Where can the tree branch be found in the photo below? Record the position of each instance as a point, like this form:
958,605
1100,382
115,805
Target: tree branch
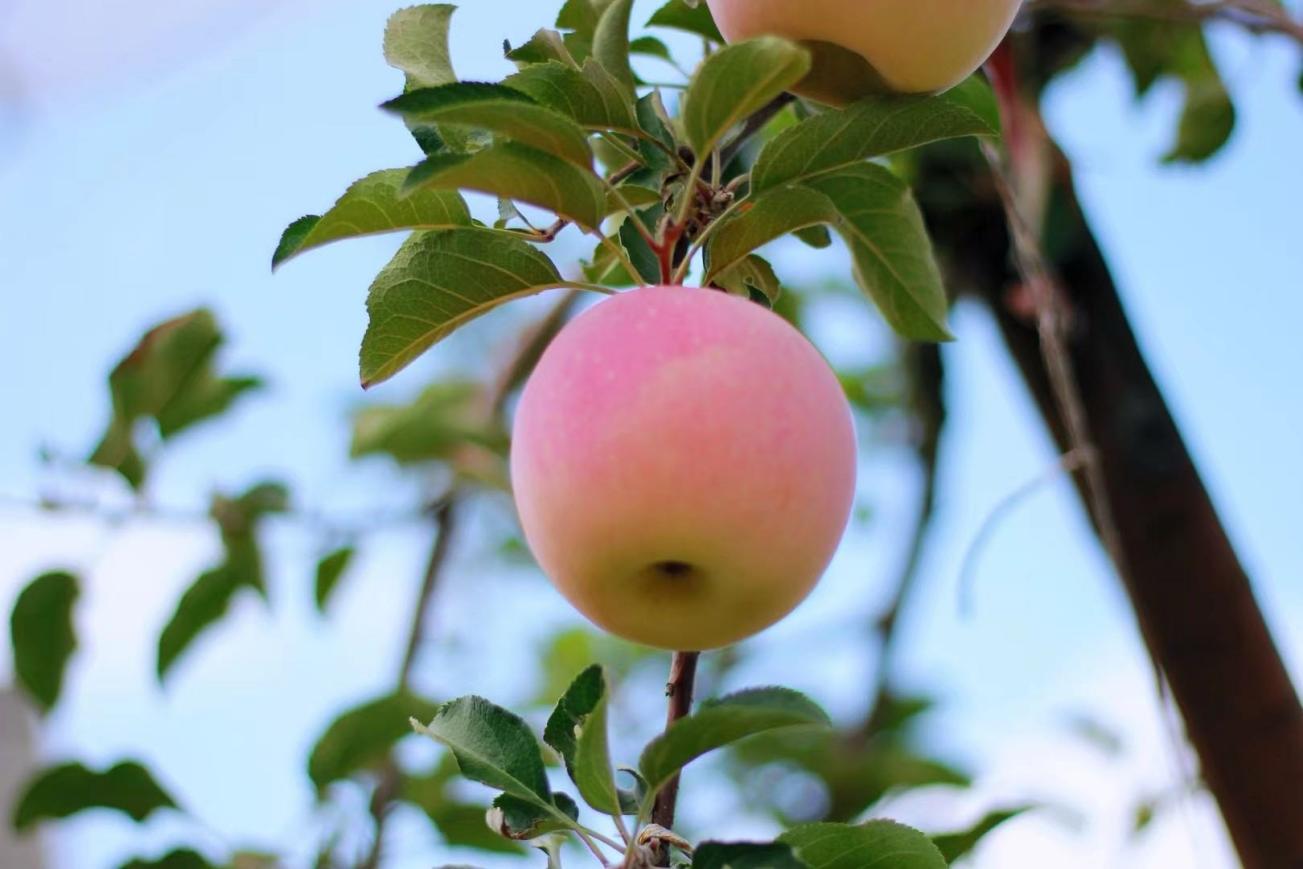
678,691
1253,15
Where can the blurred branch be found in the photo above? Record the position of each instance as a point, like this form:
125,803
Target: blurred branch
1256,16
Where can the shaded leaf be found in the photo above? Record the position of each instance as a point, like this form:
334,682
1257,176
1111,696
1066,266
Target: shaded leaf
752,276
611,42
518,819
330,569
717,723
591,96
372,205
544,46
736,81
506,112
745,855
436,282
180,858
61,791
518,172
872,127
577,730
651,47
444,418
955,845
691,18
363,736
874,844
202,605
43,636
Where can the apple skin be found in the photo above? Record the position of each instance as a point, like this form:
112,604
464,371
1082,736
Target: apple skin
683,462
863,46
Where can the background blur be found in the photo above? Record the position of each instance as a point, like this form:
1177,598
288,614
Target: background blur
151,154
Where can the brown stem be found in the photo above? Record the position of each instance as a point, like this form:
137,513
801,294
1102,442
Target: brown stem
678,691
445,513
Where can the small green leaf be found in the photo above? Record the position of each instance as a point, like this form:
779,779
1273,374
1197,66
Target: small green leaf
611,42
876,843
201,606
1207,121
375,204
462,825
492,746
580,16
688,17
650,46
61,791
363,736
501,110
416,42
519,172
544,46
43,635
745,855
736,81
591,96
752,275
518,819
577,730
953,846
765,219
436,282
180,858
872,127
444,418
717,723
330,569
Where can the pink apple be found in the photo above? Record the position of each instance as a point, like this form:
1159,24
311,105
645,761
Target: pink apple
912,46
683,463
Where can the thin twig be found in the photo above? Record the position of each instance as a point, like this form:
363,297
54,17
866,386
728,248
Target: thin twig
1252,15
678,691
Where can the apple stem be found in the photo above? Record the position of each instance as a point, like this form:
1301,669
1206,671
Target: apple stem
678,691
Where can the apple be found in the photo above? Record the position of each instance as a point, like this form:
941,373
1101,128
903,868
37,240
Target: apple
683,463
866,46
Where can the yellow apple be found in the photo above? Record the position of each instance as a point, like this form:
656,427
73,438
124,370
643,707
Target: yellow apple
683,463
866,46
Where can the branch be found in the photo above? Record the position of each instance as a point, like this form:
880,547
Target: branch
1253,15
678,690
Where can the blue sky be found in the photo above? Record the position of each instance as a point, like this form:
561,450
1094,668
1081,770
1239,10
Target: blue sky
132,190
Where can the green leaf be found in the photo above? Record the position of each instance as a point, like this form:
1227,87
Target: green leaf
518,819
651,47
498,109
953,846
492,746
462,826
611,42
202,605
764,219
736,81
717,723
745,855
691,18
416,42
170,377
363,736
180,858
889,244
750,276
444,418
375,204
872,127
518,172
61,791
544,46
330,569
580,16
874,845
1207,121
43,636
436,282
577,730
591,96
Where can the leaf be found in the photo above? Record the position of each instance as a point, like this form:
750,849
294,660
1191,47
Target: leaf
736,81
590,96
202,605
64,790
874,845
872,127
170,377
518,172
750,276
717,723
436,282
492,746
544,46
330,569
443,419
765,219
580,16
43,636
889,244
180,858
650,46
506,112
372,205
691,18
577,730
460,824
416,42
611,42
956,845
363,736
519,820
1206,124
745,855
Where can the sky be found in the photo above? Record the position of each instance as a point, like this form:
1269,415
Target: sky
149,159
